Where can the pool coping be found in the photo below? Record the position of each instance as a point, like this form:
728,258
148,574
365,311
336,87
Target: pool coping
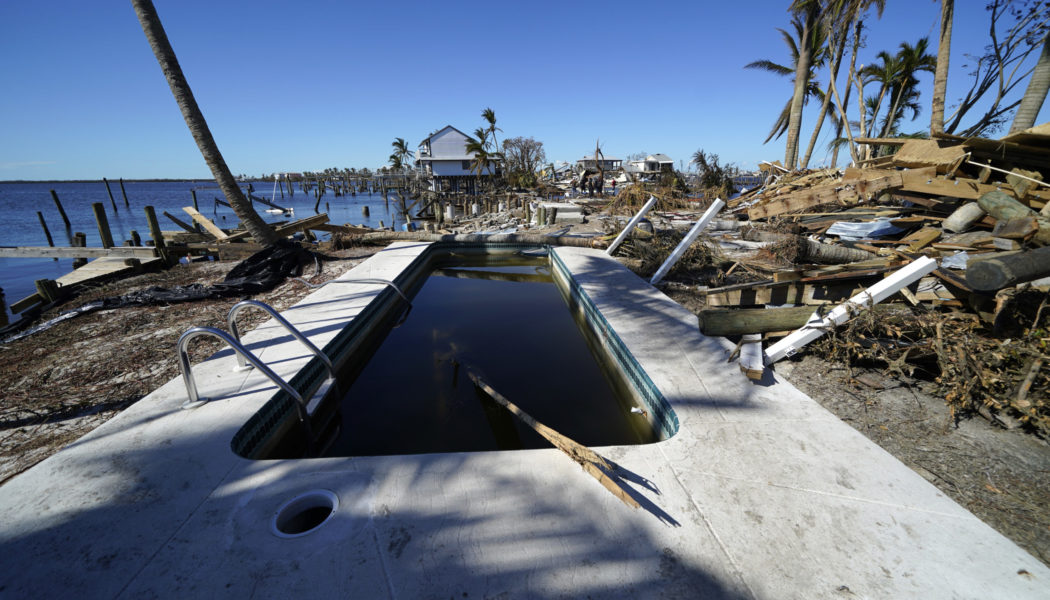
761,493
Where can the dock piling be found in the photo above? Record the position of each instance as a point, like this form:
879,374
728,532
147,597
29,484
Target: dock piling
61,211
123,193
79,240
103,224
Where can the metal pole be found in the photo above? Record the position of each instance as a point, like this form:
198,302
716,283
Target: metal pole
630,225
687,240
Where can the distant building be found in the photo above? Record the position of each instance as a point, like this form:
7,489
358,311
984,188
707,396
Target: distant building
653,164
606,163
746,181
443,157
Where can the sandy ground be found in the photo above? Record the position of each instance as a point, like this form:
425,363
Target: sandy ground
62,383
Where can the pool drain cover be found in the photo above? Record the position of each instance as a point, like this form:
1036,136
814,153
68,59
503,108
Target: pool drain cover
304,514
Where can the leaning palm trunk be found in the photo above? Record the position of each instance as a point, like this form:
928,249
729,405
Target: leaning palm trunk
1035,95
940,77
169,64
805,60
836,60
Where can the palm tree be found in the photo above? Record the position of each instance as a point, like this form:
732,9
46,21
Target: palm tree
840,18
1035,94
816,48
910,61
808,13
940,77
490,117
403,153
169,64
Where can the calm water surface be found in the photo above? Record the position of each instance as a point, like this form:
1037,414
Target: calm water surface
19,203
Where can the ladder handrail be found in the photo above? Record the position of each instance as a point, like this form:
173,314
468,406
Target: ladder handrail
231,322
191,385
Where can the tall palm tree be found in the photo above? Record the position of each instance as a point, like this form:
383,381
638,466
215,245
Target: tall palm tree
816,49
169,64
808,12
840,18
490,117
940,76
1035,94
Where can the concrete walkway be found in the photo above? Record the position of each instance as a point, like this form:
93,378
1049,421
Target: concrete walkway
760,494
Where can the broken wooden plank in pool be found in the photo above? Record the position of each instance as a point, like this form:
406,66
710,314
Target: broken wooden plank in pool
630,225
687,241
590,460
817,326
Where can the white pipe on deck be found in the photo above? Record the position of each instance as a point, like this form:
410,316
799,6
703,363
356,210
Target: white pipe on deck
817,326
688,240
630,225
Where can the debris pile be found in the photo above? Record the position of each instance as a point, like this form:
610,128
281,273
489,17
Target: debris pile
977,323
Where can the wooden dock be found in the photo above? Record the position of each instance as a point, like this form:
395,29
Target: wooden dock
94,271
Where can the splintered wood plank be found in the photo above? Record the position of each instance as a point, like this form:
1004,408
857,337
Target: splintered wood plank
121,252
206,223
922,238
288,229
970,189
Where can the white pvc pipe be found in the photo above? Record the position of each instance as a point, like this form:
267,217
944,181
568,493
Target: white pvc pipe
630,225
688,240
817,326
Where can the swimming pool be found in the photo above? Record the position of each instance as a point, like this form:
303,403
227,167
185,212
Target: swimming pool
509,314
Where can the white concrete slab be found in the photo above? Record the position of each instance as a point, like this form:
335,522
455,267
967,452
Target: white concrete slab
760,494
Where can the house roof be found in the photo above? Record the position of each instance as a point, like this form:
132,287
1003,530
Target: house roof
660,158
442,130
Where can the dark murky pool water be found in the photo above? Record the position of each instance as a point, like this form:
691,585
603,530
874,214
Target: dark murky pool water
510,324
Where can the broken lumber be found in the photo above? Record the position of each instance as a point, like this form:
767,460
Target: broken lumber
206,223
591,461
743,321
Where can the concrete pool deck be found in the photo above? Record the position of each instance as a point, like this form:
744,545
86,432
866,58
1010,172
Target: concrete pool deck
761,494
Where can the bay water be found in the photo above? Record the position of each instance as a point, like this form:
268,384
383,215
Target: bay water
20,226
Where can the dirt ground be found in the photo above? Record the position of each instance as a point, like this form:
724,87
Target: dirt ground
60,384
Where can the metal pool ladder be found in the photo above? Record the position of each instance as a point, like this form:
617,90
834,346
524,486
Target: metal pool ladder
248,360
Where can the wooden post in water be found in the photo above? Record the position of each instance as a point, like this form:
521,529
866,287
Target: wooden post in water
123,193
154,229
3,309
364,210
47,233
196,225
61,211
135,239
79,240
110,192
103,224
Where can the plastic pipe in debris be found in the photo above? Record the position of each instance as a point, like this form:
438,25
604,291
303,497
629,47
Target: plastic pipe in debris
687,240
817,326
630,225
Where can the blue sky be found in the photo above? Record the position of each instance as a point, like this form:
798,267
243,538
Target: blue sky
309,85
